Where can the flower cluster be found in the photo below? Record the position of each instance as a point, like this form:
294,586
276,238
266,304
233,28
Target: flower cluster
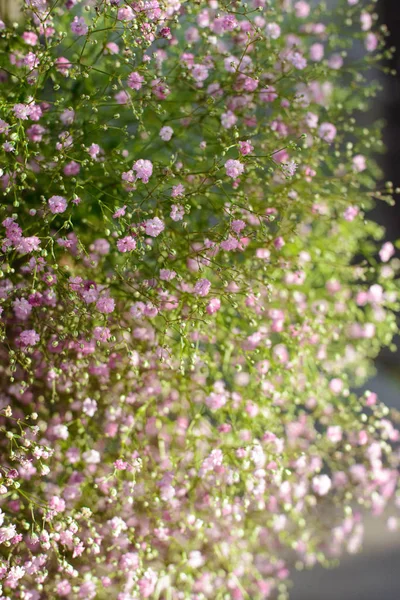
190,291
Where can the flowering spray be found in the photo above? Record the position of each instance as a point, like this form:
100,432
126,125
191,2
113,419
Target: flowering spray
190,289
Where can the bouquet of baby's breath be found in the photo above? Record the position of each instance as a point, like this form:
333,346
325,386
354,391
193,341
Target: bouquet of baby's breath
190,288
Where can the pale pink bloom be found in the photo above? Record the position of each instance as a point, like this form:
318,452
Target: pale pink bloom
177,212
57,204
166,133
167,275
321,484
125,14
273,31
202,287
351,213
122,97
78,26
327,132
89,407
234,168
302,9
317,52
126,244
135,81
112,48
371,42
144,169
336,385
386,252
153,227
29,337
105,305
334,434
30,38
213,306
245,148
177,191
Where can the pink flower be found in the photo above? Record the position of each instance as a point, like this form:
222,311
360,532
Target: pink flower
126,244
89,407
167,275
317,52
30,38
321,484
29,337
120,212
273,31
22,111
112,48
105,305
177,191
94,150
72,168
234,168
327,132
4,127
238,225
334,434
78,26
386,252
350,213
371,42
22,308
202,287
213,306
359,163
125,14
67,116
102,334
302,9
177,212
122,97
144,169
147,584
166,133
135,80
297,60
153,227
228,119
245,148
57,204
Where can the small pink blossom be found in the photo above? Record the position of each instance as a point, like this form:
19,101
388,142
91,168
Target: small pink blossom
327,132
135,81
177,212
29,337
245,148
234,168
166,133
178,191
153,227
213,306
386,252
202,287
78,26
89,407
126,244
144,169
167,274
321,484
105,305
57,204
125,14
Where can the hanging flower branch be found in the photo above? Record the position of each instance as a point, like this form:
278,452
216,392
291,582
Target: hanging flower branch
190,290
